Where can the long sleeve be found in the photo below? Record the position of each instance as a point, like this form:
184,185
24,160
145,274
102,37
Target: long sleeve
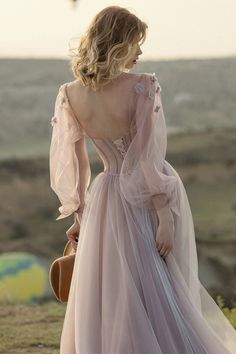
168,195
68,159
84,174
145,176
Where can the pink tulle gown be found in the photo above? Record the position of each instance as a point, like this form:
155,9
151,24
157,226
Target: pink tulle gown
124,297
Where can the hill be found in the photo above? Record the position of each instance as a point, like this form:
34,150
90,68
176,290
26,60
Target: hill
206,163
197,94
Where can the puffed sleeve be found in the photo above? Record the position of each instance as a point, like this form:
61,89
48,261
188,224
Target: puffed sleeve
146,177
64,164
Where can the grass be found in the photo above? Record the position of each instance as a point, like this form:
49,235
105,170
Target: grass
36,328
230,313
31,328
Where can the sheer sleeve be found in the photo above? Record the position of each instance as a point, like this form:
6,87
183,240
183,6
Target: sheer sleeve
64,164
145,175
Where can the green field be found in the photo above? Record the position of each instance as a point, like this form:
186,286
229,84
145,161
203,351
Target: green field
36,328
31,329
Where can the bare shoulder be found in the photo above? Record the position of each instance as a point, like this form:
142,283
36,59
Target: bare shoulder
74,85
75,90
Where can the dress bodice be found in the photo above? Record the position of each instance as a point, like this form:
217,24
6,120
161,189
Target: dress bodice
112,152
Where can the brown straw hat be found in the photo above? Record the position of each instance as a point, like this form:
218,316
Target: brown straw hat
60,273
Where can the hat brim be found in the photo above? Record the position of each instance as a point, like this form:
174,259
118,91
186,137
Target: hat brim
60,275
68,250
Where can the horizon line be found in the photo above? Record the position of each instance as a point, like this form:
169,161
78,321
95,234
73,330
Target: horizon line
207,57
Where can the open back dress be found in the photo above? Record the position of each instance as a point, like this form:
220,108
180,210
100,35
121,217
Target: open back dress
124,297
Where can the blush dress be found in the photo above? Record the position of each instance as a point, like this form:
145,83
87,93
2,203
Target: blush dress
124,297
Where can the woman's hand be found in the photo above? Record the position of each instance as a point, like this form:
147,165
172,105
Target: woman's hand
165,232
73,234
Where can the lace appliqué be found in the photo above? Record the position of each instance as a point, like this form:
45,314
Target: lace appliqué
60,101
157,108
53,120
153,77
139,87
121,145
154,90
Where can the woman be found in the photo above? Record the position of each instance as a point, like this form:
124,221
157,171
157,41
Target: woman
135,286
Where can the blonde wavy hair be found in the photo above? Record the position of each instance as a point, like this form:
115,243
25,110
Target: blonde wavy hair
108,44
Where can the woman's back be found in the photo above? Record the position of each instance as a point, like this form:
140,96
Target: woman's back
104,113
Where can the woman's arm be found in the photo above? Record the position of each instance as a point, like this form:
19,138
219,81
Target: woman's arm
159,201
161,205
166,229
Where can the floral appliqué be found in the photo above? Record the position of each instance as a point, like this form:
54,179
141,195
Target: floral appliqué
139,87
53,120
60,100
120,145
153,77
155,89
152,91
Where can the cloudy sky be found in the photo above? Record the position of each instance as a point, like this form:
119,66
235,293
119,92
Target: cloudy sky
177,28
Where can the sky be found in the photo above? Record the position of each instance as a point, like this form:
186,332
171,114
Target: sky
177,28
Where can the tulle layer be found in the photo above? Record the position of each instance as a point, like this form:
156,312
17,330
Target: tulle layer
124,297
143,172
